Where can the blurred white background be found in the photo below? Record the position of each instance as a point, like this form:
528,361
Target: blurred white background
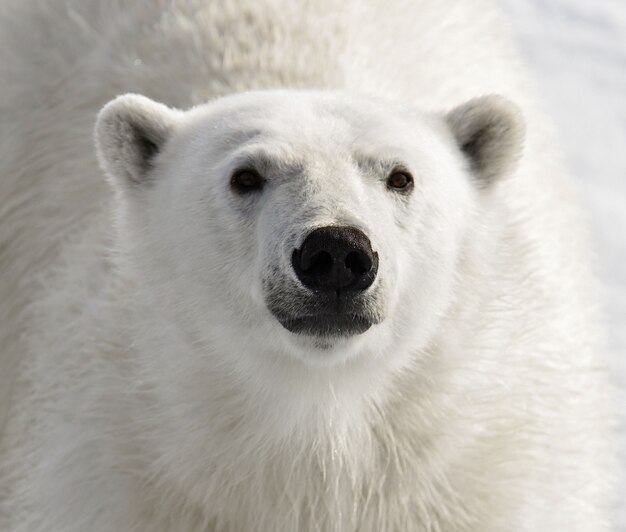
577,50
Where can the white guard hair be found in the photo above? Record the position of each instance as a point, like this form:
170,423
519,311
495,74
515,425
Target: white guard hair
145,382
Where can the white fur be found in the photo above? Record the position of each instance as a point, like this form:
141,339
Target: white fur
144,384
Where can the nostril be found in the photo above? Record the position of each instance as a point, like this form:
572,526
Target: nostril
321,263
358,263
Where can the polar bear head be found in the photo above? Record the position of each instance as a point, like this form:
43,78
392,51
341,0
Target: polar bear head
319,226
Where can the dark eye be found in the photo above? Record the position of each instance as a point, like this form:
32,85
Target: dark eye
400,180
246,180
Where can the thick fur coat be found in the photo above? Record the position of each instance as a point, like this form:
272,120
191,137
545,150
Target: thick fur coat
144,385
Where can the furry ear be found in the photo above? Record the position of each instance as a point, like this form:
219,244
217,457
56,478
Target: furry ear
131,130
490,132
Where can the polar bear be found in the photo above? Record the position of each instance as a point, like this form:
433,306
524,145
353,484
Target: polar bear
325,273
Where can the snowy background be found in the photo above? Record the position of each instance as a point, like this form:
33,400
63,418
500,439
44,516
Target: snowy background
577,50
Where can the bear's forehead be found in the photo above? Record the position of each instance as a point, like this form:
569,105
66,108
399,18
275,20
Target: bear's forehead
297,117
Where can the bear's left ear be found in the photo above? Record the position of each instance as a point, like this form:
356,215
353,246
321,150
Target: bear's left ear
490,132
130,132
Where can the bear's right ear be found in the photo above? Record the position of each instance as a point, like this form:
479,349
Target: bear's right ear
490,132
130,132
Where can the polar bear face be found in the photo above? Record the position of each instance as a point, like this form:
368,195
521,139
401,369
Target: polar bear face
316,225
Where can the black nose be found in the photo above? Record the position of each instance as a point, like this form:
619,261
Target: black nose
338,259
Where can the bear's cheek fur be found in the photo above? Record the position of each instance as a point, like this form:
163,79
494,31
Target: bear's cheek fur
428,264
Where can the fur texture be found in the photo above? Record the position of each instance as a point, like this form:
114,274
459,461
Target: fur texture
144,384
